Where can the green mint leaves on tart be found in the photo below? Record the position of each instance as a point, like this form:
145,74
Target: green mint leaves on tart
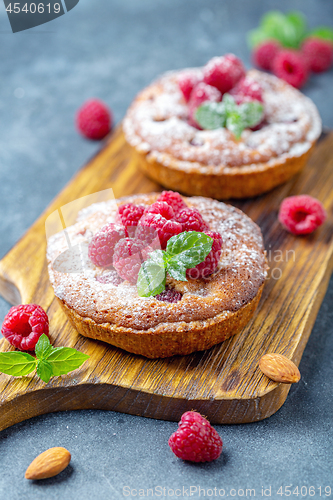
234,117
50,361
183,251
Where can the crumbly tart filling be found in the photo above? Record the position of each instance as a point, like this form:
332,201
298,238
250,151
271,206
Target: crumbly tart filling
96,293
156,124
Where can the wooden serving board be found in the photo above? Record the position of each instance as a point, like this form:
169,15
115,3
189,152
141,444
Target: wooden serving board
224,383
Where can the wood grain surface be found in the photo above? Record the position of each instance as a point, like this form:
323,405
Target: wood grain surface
223,383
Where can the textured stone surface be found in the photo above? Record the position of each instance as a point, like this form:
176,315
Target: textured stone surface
111,49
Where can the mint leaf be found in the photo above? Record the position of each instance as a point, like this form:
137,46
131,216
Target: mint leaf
17,364
65,359
211,115
43,347
251,113
289,30
44,370
158,257
177,270
235,124
323,32
190,248
151,279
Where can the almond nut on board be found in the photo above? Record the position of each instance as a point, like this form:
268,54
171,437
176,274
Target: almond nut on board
48,464
279,368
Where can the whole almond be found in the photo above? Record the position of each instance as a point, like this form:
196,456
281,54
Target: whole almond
279,368
48,464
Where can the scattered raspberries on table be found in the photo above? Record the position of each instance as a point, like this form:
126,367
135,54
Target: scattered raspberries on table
195,439
122,247
283,45
301,214
24,324
94,119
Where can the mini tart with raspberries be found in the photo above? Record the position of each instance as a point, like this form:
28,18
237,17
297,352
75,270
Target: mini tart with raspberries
171,150
204,312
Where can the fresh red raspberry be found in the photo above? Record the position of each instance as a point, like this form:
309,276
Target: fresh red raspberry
187,80
301,214
127,258
94,119
173,199
169,295
191,220
129,215
24,324
264,54
209,265
200,94
161,208
101,247
195,439
319,54
247,90
291,66
224,72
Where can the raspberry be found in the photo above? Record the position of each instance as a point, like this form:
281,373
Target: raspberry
101,247
224,72
173,199
187,81
291,66
169,295
24,324
191,220
195,439
129,215
319,54
247,90
201,93
152,224
210,263
301,214
264,54
94,119
161,208
127,258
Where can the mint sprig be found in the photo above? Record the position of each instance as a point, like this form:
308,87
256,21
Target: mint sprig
288,29
183,251
49,362
227,113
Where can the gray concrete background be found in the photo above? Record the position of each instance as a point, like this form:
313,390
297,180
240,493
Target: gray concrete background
111,49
